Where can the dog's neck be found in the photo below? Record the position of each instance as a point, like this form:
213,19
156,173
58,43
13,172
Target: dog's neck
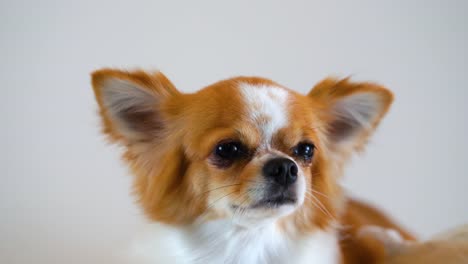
222,241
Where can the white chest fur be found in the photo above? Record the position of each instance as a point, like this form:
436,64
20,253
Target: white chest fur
222,242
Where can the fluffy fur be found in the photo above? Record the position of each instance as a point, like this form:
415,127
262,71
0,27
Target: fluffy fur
205,207
447,248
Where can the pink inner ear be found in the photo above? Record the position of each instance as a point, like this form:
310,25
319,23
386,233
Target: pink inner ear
353,114
131,108
141,121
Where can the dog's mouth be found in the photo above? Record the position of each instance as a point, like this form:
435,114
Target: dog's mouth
275,201
271,201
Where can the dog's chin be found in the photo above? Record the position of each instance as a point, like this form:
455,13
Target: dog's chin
275,201
266,209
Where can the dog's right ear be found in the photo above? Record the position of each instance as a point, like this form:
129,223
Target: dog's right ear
130,103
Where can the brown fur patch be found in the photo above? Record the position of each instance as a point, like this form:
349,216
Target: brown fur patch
365,250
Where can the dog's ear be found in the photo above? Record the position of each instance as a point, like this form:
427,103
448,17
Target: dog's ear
351,111
130,103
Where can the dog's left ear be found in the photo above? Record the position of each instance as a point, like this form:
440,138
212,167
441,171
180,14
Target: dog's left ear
350,110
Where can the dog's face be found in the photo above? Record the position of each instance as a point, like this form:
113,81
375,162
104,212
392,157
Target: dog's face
252,163
246,148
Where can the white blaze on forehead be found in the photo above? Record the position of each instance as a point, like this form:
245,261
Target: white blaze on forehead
266,107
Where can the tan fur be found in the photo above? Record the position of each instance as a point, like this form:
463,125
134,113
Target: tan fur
362,249
448,248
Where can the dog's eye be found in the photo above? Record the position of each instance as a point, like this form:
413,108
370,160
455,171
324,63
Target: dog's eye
304,150
229,150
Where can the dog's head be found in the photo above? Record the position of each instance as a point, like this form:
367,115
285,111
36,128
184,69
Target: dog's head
246,148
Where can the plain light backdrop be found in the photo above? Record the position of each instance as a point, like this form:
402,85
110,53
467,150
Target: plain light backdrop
65,194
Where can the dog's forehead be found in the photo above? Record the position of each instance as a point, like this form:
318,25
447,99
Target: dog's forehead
266,107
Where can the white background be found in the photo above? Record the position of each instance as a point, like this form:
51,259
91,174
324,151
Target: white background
64,193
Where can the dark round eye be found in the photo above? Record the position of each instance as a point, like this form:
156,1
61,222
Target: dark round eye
304,150
229,150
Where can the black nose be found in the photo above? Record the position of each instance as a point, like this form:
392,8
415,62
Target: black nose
281,170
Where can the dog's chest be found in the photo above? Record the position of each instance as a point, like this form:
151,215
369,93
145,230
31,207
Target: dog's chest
221,242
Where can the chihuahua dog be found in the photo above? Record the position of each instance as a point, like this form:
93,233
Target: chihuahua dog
245,170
